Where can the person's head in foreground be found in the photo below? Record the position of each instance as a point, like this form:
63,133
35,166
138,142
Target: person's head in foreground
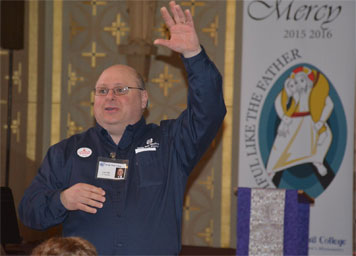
65,246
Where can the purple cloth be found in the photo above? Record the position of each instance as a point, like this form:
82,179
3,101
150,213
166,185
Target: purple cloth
243,220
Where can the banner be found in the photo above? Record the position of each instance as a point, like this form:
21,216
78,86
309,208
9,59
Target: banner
297,109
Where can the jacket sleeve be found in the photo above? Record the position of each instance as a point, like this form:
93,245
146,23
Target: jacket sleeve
198,125
40,207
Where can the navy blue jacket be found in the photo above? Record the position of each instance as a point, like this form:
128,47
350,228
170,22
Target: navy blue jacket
142,214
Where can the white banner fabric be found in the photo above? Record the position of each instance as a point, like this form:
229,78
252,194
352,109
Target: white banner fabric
297,109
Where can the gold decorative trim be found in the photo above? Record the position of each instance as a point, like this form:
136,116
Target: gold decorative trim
208,233
163,31
56,71
187,208
75,28
93,54
165,80
32,80
226,186
72,127
94,4
212,30
192,4
118,29
89,103
72,78
209,181
15,126
16,77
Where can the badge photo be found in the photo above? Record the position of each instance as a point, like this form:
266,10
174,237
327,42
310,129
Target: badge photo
120,173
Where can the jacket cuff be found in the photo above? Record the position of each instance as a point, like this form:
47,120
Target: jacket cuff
188,62
58,209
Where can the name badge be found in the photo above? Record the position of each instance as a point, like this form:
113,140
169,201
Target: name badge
112,169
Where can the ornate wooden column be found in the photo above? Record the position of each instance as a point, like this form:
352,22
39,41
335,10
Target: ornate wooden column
140,47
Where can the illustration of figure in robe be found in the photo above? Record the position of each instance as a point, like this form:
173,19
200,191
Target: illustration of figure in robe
303,136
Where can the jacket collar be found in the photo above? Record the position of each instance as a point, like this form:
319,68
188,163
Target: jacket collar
130,134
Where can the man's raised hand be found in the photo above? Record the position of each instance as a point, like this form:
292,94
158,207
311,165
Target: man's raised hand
184,38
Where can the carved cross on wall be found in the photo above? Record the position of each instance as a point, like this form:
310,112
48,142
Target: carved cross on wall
140,46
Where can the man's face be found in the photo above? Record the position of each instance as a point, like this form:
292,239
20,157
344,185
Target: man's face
116,112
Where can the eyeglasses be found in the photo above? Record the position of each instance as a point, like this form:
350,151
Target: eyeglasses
118,91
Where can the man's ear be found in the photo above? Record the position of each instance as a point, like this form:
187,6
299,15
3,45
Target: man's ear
144,99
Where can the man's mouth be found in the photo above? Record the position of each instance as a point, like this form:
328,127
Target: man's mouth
111,108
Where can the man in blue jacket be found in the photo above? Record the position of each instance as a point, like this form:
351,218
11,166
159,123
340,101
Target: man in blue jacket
141,213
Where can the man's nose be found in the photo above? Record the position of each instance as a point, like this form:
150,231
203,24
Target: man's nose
110,95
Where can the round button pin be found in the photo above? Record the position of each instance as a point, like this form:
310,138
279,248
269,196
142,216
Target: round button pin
84,152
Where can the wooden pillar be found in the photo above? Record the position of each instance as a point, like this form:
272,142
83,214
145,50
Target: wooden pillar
140,47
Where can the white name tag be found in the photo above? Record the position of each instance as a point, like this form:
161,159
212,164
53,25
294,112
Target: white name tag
142,149
112,169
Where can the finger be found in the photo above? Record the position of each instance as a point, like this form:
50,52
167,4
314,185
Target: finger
94,196
93,189
167,17
92,203
172,5
180,14
188,17
86,208
89,194
162,42
174,10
